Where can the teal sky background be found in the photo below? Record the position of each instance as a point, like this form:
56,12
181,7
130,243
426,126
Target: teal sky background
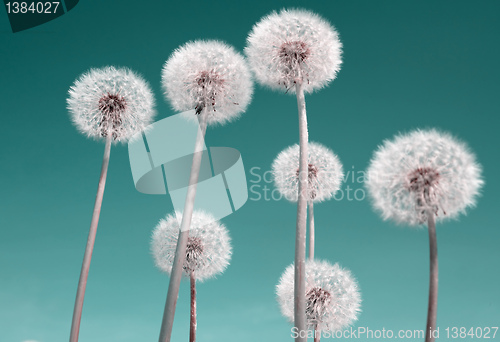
407,64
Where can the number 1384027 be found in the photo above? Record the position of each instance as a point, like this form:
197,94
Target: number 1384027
479,332
33,7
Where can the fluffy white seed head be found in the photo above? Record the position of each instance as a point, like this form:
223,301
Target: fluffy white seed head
333,300
208,250
209,77
111,101
324,173
420,172
294,44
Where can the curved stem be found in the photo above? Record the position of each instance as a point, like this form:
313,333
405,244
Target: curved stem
300,233
433,279
311,230
180,251
192,322
84,273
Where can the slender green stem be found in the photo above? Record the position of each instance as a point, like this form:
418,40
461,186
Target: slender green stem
180,251
433,279
300,234
84,273
311,230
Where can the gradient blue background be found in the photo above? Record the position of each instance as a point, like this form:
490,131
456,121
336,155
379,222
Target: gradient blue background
407,64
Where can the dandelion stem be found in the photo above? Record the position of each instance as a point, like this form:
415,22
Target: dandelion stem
192,322
317,334
82,283
433,279
311,230
180,251
300,234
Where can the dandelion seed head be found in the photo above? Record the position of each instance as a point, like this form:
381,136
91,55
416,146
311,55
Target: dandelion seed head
333,300
111,101
194,251
420,172
294,45
324,173
317,300
208,249
209,77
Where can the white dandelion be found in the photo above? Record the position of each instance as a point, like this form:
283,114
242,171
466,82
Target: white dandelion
212,79
291,45
333,299
421,177
295,51
111,104
208,251
324,173
323,181
423,172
